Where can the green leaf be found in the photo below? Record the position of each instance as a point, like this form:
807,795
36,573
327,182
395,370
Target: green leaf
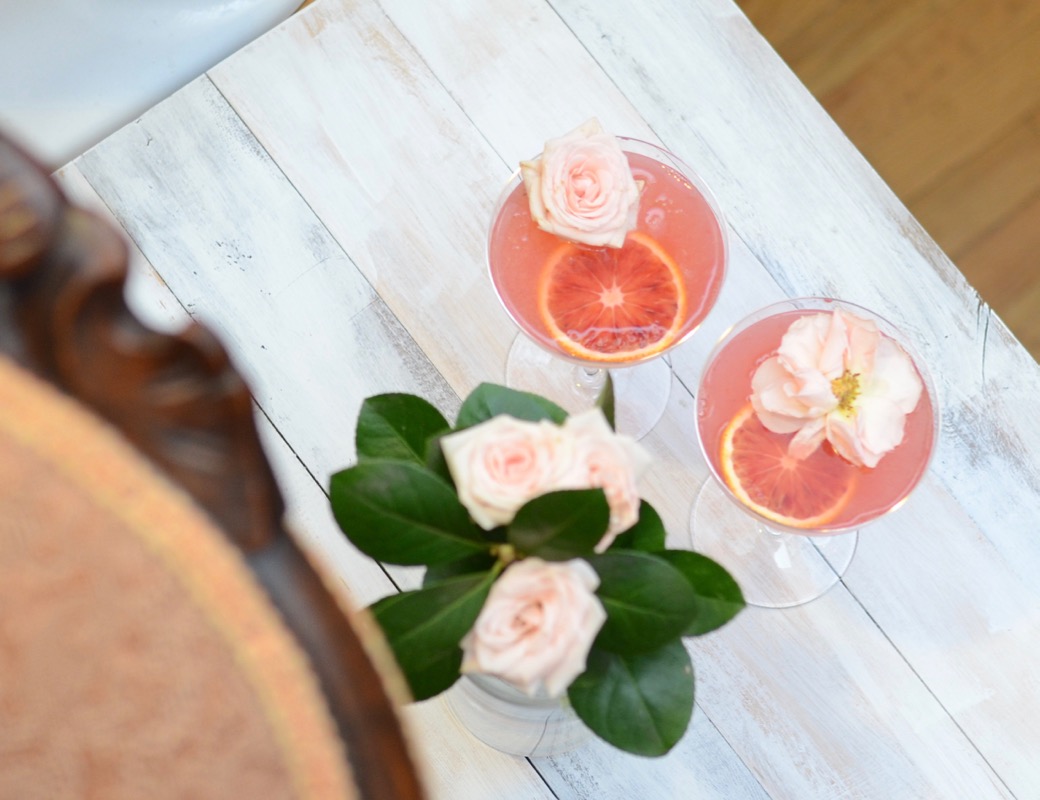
639,703
647,600
605,401
648,534
435,460
719,598
479,562
397,426
424,628
560,525
489,400
401,513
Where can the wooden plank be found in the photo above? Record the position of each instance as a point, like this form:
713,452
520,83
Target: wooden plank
371,193
248,279
147,295
848,235
781,23
940,95
851,42
1005,265
976,196
838,45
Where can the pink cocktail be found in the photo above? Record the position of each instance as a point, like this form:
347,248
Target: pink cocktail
603,307
676,223
780,375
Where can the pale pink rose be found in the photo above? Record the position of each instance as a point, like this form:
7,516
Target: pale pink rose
609,461
502,463
537,625
835,376
581,187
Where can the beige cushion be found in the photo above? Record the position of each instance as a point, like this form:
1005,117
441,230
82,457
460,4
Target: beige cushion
138,658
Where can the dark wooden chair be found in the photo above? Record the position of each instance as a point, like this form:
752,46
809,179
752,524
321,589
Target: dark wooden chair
180,402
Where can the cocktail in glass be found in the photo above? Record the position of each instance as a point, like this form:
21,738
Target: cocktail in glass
585,309
785,525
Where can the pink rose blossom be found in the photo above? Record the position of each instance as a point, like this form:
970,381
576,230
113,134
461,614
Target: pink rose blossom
837,377
501,464
606,460
537,625
581,187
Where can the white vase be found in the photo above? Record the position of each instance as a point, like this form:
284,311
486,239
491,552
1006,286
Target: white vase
502,716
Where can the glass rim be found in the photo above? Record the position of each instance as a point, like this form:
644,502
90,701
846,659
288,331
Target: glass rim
698,182
810,303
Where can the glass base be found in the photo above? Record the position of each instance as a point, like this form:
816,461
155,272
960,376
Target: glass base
775,569
503,717
640,392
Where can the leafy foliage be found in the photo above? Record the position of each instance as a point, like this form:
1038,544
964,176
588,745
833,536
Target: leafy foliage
398,504
399,512
638,702
560,525
423,628
489,400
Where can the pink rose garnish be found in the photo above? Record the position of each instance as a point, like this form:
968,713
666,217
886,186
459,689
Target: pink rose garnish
537,625
581,187
835,376
609,461
501,464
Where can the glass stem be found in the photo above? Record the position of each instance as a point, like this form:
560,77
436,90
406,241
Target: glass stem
589,381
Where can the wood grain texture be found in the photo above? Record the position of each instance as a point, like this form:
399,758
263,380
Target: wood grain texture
976,198
376,136
941,97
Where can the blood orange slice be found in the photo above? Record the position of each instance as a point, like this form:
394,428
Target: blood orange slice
612,304
802,494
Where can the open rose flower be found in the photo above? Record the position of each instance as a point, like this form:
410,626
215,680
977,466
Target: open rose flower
837,377
606,460
501,464
581,187
537,625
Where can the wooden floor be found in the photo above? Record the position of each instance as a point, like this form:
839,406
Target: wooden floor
943,98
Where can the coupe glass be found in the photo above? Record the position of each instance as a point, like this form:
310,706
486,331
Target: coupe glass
778,560
678,216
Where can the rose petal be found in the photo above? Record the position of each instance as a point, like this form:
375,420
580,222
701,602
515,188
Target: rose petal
793,391
880,424
863,340
803,345
772,400
808,439
834,347
502,463
537,625
844,437
812,389
581,187
607,460
894,377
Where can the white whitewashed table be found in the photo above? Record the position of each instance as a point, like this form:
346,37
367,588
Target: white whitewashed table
320,200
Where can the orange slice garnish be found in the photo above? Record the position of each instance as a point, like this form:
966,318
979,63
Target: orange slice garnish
807,493
613,304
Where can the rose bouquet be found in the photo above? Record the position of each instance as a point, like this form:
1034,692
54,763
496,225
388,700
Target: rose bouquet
544,568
